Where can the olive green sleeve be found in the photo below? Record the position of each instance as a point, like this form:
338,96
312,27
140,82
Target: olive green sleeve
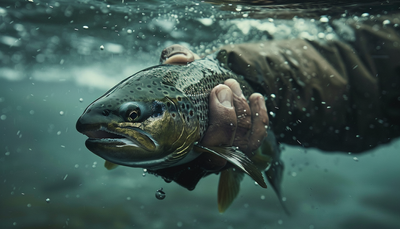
330,95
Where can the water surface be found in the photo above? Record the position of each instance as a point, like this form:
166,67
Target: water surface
58,56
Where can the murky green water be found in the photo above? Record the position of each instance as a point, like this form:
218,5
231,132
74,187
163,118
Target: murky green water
58,56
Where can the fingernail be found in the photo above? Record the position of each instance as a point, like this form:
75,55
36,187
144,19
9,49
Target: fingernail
261,103
225,98
237,91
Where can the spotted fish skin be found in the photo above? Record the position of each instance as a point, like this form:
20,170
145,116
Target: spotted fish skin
173,104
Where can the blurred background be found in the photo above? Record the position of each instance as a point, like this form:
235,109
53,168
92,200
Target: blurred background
56,57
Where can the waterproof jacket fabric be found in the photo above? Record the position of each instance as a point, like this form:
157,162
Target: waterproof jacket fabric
337,95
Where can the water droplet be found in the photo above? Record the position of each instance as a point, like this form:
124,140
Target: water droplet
262,197
280,222
283,199
47,200
355,158
76,166
29,205
324,19
7,153
3,117
80,100
31,112
58,132
160,194
179,224
61,112
294,174
128,198
101,47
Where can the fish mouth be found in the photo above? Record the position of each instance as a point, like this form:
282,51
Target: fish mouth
121,138
129,146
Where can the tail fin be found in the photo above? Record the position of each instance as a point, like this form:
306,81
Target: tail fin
274,175
275,172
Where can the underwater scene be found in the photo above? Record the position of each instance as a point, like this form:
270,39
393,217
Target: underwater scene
57,57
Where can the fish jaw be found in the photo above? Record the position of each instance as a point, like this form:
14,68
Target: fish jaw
138,149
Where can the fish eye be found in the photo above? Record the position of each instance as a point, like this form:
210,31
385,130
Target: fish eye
133,115
132,112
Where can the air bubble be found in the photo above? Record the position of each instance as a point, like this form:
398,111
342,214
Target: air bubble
160,194
355,159
386,22
3,117
61,113
101,47
80,100
48,200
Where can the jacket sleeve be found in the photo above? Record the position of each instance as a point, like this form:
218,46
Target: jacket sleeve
336,96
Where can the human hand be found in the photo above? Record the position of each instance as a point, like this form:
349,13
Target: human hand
232,120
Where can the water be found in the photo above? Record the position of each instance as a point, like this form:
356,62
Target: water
58,56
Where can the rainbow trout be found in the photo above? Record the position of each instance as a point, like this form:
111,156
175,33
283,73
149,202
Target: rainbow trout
156,118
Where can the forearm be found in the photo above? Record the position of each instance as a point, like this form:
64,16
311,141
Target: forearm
320,95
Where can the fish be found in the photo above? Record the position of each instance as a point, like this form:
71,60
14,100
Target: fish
155,120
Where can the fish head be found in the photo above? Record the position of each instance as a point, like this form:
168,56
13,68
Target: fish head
141,123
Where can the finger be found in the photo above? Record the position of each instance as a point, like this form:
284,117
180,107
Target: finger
177,54
243,114
222,126
222,118
259,120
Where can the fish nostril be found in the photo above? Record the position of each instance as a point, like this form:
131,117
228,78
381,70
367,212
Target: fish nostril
106,112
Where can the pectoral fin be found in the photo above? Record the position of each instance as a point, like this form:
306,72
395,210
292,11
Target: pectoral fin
228,187
237,158
110,165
